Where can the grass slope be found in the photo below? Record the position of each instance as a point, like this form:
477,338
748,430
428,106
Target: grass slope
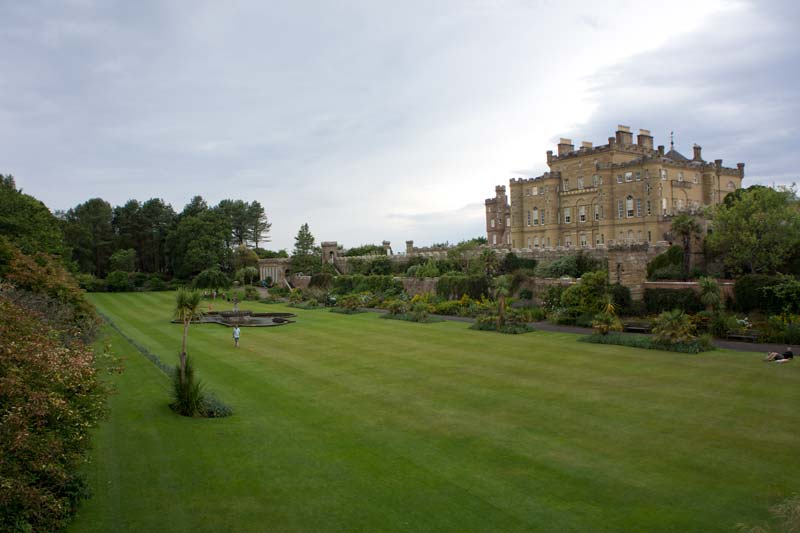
353,423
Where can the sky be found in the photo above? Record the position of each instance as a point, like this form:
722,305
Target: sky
376,120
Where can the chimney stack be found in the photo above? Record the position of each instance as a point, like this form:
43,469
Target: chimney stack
718,163
624,135
586,145
740,166
611,141
697,149
644,139
409,247
565,146
660,149
549,156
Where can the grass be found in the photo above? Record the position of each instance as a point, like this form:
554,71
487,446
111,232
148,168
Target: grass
351,423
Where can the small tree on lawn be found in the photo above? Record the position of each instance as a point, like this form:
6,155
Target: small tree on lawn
187,309
709,293
502,288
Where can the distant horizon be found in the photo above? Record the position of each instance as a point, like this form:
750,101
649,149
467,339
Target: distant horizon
378,122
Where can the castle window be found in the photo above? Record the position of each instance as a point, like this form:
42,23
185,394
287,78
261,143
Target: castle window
620,209
529,218
536,242
595,180
696,179
491,223
649,208
638,176
508,221
568,242
664,206
527,192
535,216
663,173
629,206
548,242
566,184
629,176
638,207
680,176
597,212
541,217
619,178
731,186
583,240
582,213
567,215
494,238
580,182
630,235
639,236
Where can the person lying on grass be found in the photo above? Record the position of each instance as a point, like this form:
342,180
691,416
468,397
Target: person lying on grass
784,357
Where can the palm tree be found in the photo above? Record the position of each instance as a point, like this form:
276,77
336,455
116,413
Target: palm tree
187,309
709,293
685,227
672,327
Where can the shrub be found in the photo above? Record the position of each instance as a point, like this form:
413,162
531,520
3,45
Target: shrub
490,323
322,280
385,285
573,266
605,322
212,278
659,300
118,281
621,298
526,294
280,292
454,286
752,292
665,263
187,395
673,327
251,293
702,344
50,398
511,263
395,307
587,296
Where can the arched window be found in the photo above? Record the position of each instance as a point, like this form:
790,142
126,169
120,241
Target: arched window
731,186
629,206
535,216
582,213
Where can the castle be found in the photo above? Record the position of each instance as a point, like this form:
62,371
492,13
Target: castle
623,192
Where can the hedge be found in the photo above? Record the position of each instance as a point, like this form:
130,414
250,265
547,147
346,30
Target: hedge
454,286
659,300
749,294
360,283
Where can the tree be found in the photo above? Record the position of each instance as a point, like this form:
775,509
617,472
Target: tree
212,278
757,233
197,243
686,227
257,224
124,260
196,206
27,222
246,275
304,259
244,257
490,262
235,213
304,241
158,219
187,309
90,234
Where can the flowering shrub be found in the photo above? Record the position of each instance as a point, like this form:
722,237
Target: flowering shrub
49,399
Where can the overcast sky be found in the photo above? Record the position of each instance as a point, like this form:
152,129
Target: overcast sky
378,120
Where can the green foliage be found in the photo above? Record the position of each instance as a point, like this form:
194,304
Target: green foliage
244,257
666,265
251,293
511,325
124,260
605,322
247,275
710,294
50,398
119,281
587,296
658,300
573,266
88,231
187,393
212,279
199,243
673,327
270,254
365,249
27,222
686,228
753,292
758,232
526,294
701,344
395,306
787,293
511,263
303,241
455,286
783,328
385,285
427,270
323,281
621,298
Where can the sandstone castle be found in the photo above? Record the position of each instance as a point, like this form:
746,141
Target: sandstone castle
623,192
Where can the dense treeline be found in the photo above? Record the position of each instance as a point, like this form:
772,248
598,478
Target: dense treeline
151,237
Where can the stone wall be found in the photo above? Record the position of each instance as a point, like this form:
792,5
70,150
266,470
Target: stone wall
725,285
414,286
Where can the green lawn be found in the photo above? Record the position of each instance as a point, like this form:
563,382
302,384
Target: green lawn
352,423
